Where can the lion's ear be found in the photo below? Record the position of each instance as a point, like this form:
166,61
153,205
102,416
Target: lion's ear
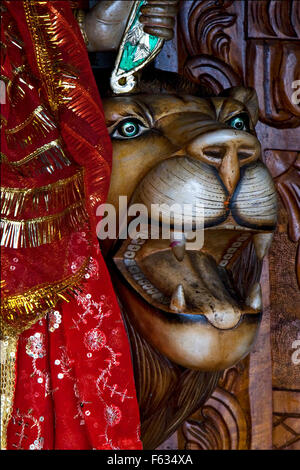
248,96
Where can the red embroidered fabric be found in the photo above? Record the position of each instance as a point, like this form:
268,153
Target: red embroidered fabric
74,386
74,380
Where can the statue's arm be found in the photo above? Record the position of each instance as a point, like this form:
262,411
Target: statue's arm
105,23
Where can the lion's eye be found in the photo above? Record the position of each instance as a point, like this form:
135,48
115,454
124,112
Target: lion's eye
129,129
240,122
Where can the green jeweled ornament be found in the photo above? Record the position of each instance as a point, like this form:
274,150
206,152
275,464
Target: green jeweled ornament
137,50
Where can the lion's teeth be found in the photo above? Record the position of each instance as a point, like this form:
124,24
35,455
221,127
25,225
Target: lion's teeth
262,243
177,303
254,299
178,245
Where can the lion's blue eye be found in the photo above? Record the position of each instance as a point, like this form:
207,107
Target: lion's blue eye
128,129
240,122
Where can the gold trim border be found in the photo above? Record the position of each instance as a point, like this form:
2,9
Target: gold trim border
39,112
19,312
8,353
42,230
54,144
67,190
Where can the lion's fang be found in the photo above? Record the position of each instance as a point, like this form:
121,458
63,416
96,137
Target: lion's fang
262,243
177,303
254,299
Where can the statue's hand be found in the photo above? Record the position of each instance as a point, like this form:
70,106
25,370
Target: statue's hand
158,17
105,22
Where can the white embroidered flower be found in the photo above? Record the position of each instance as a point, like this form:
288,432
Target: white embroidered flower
94,339
113,415
35,346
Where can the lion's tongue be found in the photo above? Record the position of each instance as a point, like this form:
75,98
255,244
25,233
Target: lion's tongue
193,286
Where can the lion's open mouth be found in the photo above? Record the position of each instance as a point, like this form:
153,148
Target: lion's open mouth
218,284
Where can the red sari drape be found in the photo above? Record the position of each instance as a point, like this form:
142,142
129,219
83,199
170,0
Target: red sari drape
67,379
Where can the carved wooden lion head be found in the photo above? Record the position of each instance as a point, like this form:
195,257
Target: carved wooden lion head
190,313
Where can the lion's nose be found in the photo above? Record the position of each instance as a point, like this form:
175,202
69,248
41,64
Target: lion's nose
227,150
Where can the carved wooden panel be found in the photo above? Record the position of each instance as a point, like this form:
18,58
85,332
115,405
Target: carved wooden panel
224,423
286,420
273,32
211,58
